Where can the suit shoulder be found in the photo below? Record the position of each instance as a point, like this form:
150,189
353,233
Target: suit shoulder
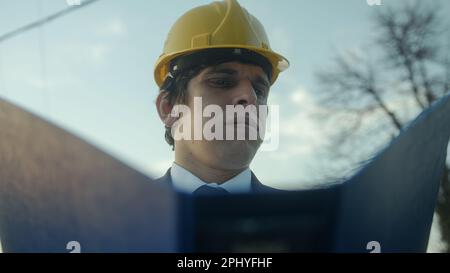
259,187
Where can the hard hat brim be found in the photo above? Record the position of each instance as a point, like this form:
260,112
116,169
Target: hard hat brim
279,63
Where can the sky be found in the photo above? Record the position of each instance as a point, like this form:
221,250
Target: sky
91,72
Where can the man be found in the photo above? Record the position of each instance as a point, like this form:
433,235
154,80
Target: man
220,54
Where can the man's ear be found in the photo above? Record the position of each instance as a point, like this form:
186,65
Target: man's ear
164,108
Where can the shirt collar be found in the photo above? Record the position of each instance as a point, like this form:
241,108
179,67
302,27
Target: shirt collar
186,182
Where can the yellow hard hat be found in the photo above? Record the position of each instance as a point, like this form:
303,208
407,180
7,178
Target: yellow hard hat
222,24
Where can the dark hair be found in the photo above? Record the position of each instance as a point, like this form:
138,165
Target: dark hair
176,91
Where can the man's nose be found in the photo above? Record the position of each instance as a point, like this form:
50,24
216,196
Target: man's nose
245,94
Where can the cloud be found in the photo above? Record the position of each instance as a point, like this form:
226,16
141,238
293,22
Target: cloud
301,97
37,83
300,124
115,27
300,135
280,41
99,51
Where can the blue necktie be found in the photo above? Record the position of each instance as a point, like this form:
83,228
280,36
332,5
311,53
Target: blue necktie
208,190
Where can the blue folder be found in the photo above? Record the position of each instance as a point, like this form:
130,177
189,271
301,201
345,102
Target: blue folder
57,190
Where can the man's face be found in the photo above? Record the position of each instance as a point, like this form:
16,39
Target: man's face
232,84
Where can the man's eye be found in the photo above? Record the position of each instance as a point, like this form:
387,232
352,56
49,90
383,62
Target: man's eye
260,91
221,83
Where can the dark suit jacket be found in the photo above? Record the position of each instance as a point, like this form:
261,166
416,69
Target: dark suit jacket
256,185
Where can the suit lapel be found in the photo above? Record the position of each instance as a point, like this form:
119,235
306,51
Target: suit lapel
165,178
258,187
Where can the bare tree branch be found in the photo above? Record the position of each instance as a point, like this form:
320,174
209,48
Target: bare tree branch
347,77
355,91
409,41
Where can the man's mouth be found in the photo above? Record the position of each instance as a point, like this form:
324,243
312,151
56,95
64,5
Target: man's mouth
245,123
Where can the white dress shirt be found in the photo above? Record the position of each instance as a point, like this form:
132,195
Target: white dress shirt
186,182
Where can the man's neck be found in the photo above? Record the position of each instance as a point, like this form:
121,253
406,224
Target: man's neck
207,173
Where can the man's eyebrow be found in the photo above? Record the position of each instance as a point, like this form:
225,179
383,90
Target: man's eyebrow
218,70
233,72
